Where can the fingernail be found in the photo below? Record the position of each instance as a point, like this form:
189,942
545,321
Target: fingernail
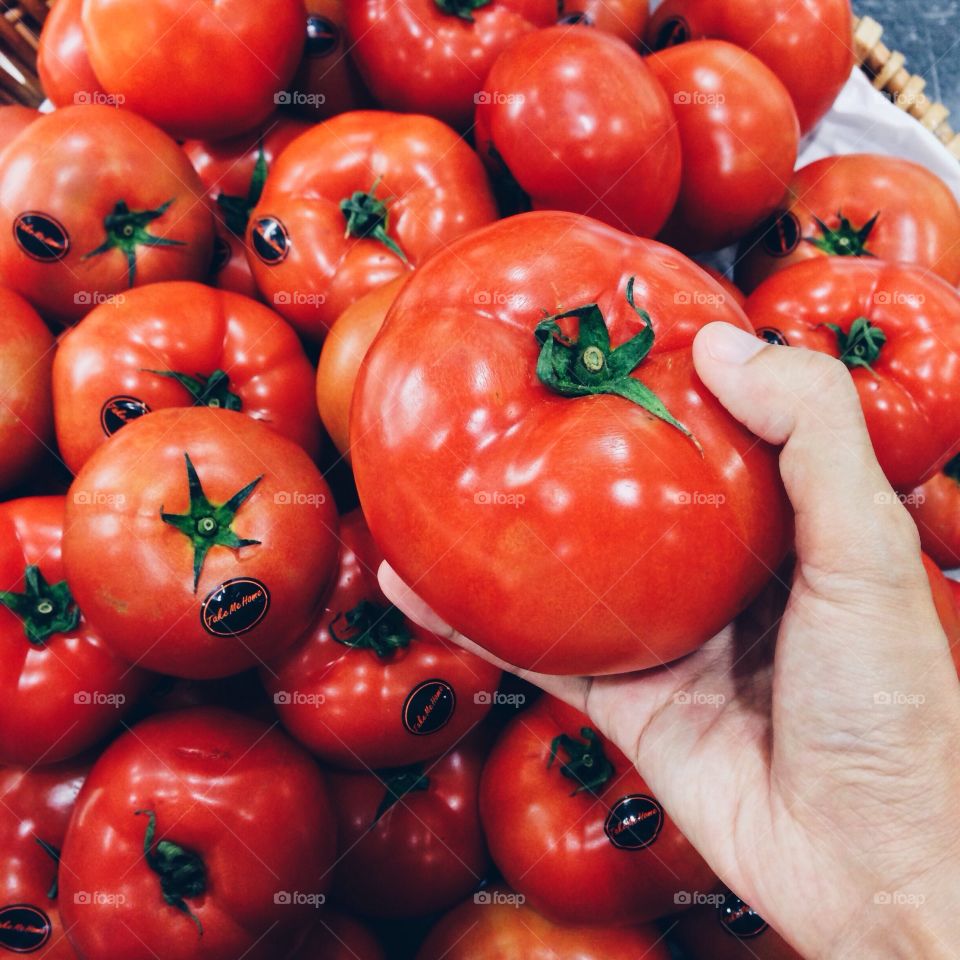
730,344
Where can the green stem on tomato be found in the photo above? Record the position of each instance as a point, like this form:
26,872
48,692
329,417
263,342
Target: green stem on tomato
587,765
44,609
381,628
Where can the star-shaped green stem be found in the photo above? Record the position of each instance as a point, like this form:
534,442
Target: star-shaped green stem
43,608
586,764
845,240
373,626
367,216
212,391
861,345
236,210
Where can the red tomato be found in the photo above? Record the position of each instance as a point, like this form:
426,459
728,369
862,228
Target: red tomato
897,327
355,202
579,121
35,807
61,688
202,70
26,358
738,136
623,18
95,200
807,44
729,287
860,204
431,56
62,62
231,523
335,936
573,827
944,599
230,269
368,688
197,833
13,119
935,508
496,925
463,452
409,838
129,357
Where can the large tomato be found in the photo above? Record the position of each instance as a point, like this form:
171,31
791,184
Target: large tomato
26,359
127,358
198,833
623,18
355,202
13,119
431,56
62,689
858,205
335,936
579,122
35,807
572,518
62,62
409,838
198,70
368,688
573,827
496,924
897,327
199,542
807,44
935,508
92,201
738,135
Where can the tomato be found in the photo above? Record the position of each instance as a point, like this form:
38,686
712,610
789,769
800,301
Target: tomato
729,287
197,833
738,136
127,358
343,351
63,689
355,202
897,327
497,925
580,122
623,18
62,62
35,807
944,600
860,204
808,44
95,200
431,56
199,542
573,827
208,71
335,936
26,358
462,452
368,688
13,119
935,508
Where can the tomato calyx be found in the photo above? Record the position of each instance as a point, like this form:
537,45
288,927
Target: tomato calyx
236,210
212,391
367,218
952,469
182,872
861,345
586,764
398,784
377,627
127,230
54,853
208,524
588,366
844,240
44,609
461,8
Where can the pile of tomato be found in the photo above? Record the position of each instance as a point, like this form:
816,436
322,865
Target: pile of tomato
286,292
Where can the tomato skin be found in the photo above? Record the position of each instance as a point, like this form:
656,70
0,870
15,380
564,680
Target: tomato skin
343,351
492,926
623,18
910,399
417,58
425,853
945,602
203,773
199,71
435,201
73,166
13,119
551,843
502,477
113,350
729,287
918,222
64,695
354,717
114,529
62,62
26,358
704,937
594,107
809,45
738,135
336,936
935,508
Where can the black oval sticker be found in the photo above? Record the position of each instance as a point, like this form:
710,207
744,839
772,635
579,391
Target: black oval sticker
41,237
429,707
673,31
120,410
772,335
235,607
271,242
634,822
323,37
738,918
23,928
780,235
